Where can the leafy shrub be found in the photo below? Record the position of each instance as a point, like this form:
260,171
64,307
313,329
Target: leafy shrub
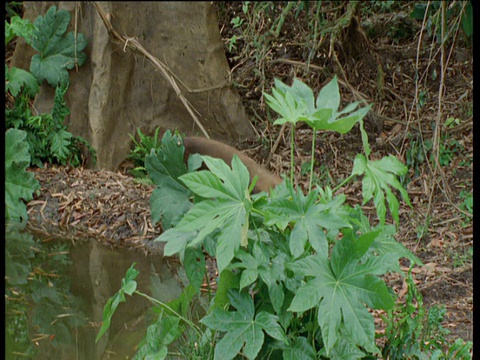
414,333
142,148
296,271
48,139
19,184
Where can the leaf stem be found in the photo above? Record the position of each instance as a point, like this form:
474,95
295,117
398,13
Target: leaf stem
292,131
342,183
312,161
158,302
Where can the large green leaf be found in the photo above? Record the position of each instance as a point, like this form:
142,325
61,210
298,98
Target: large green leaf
170,200
309,220
164,331
244,330
227,209
284,102
58,51
296,103
194,263
129,285
19,184
16,78
339,288
299,349
378,177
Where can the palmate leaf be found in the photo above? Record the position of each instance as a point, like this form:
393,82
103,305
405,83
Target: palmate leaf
296,103
339,288
271,270
378,177
58,51
299,349
244,330
170,200
309,218
227,209
164,331
284,102
326,115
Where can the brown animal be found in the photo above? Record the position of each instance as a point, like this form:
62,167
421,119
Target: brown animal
203,146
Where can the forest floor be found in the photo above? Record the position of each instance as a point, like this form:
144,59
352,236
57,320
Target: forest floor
438,228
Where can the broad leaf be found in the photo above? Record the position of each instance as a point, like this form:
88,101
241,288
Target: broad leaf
309,220
339,288
329,96
296,103
58,51
378,177
129,285
194,263
228,211
170,200
19,184
244,330
168,204
19,27
159,335
283,101
16,78
299,349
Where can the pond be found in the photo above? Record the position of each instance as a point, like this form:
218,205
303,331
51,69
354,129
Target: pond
56,290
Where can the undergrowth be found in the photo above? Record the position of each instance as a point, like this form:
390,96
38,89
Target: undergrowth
297,272
39,138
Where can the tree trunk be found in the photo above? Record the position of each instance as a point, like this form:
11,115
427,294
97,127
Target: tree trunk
117,91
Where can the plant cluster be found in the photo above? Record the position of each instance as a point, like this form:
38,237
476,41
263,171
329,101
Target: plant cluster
297,273
143,147
35,139
414,333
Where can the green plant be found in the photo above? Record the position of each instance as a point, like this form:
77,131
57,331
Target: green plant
168,327
58,51
142,148
413,332
467,201
449,149
432,12
416,154
19,183
47,137
19,27
296,271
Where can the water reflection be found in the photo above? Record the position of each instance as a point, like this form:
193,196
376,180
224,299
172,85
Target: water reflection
56,291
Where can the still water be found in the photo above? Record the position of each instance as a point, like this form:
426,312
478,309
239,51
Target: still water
56,290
